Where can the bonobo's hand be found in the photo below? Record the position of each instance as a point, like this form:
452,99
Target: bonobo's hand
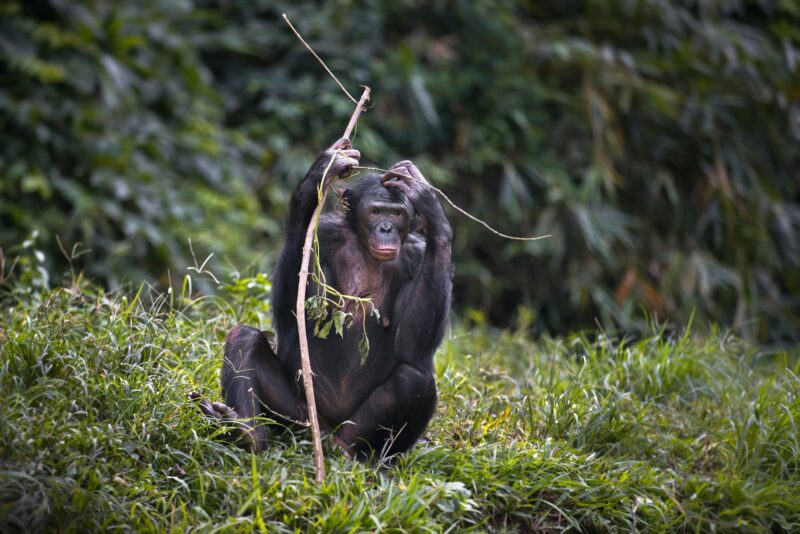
345,158
406,177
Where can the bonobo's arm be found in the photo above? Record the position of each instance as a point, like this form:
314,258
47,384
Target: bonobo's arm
422,305
301,208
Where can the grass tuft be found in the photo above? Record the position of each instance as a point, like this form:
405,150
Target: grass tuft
663,433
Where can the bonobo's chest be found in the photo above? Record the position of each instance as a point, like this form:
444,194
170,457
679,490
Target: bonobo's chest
370,282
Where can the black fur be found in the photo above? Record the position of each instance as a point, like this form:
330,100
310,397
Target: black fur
382,406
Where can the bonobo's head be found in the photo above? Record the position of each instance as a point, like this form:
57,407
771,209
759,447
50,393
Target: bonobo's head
380,216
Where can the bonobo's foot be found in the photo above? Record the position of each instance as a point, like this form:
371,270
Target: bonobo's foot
213,410
241,433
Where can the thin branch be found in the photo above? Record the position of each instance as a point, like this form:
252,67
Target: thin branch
455,207
359,107
305,359
321,63
300,310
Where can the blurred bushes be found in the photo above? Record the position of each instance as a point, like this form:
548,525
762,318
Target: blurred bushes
114,136
657,141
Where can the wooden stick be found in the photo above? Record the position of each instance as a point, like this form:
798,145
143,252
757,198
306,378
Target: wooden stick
300,308
458,208
324,66
359,108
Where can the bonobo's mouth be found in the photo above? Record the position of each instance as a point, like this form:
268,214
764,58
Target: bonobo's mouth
383,253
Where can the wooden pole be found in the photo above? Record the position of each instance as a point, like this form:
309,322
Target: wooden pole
359,108
300,309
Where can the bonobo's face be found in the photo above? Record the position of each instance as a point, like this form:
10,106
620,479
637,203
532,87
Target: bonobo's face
384,218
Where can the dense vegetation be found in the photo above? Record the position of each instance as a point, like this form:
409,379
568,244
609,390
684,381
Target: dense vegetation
668,433
658,142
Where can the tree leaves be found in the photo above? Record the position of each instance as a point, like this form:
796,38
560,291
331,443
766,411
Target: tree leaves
637,134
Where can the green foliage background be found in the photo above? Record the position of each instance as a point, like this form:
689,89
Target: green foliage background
656,141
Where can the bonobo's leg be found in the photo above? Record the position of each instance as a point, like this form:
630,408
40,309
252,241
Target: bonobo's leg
393,417
253,384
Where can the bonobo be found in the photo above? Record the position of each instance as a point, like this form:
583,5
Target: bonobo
391,244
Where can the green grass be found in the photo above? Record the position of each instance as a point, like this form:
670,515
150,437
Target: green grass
685,433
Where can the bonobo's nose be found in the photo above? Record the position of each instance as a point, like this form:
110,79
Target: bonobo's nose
385,227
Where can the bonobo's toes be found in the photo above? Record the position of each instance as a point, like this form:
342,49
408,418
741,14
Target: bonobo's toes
208,411
239,431
203,404
223,411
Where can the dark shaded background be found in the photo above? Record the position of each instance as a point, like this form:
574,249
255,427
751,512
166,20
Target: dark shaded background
657,141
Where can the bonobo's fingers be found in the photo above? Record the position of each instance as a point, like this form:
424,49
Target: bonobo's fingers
415,174
345,157
352,154
399,182
396,171
401,164
341,144
406,177
405,168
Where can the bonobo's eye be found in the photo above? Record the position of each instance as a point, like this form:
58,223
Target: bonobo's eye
375,211
397,212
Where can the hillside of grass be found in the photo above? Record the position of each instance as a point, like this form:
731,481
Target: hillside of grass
674,432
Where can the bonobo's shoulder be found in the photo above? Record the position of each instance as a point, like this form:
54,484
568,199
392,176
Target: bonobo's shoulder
332,226
332,219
